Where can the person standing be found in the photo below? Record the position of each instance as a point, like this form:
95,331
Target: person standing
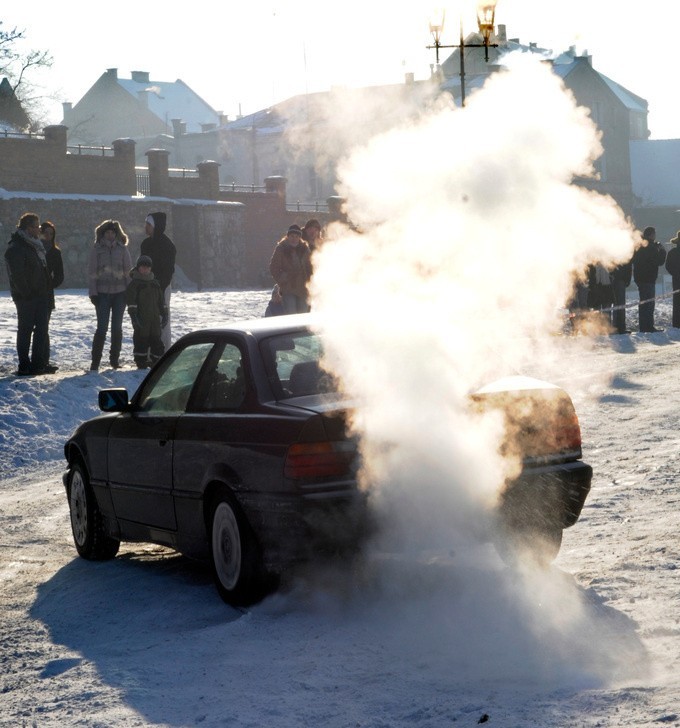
55,266
291,268
108,272
147,311
646,261
673,267
311,234
30,286
158,246
621,277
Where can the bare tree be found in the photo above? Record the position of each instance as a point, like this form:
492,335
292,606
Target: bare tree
20,67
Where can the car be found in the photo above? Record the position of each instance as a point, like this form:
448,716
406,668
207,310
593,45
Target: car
235,448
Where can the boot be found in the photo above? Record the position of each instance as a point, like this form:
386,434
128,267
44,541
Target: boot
97,349
116,344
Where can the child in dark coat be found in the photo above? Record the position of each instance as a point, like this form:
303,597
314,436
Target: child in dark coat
147,310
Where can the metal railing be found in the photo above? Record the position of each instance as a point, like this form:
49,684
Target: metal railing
307,206
233,187
183,172
143,185
9,134
84,150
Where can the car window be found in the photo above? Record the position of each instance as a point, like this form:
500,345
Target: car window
295,361
168,393
224,385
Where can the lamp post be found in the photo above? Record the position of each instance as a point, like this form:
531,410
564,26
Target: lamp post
486,13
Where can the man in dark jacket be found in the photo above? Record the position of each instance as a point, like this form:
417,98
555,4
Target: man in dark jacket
158,246
621,277
673,267
30,286
646,261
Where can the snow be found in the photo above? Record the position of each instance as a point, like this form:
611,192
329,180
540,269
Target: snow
428,638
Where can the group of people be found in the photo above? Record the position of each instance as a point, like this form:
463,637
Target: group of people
605,290
35,268
291,269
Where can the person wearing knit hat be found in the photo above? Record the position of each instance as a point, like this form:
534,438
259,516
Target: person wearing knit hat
146,307
158,246
291,269
673,267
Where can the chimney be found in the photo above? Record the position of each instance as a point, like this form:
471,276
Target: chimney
113,72
501,33
409,79
177,129
140,76
67,107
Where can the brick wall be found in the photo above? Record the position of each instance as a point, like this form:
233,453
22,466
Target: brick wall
41,164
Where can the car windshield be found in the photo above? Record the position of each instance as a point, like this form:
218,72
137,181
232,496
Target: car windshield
294,361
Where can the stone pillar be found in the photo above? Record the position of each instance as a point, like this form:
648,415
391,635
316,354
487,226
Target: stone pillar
335,203
276,184
209,174
56,134
159,177
124,154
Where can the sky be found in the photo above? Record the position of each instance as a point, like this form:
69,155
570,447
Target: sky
247,56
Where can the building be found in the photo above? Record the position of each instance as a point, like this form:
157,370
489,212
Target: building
139,108
620,115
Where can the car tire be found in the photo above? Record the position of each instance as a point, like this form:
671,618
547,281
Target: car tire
236,561
87,523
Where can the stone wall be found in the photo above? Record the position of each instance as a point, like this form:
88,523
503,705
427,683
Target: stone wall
209,236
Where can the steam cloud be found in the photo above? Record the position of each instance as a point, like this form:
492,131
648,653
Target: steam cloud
470,233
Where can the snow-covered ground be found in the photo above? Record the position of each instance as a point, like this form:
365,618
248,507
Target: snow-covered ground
437,638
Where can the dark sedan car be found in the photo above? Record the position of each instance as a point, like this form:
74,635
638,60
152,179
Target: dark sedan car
235,448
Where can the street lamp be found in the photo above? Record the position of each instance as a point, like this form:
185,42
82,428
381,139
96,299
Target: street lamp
486,14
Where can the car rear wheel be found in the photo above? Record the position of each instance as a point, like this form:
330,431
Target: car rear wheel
236,561
87,523
537,546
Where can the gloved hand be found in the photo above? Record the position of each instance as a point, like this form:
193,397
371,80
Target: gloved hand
94,300
164,319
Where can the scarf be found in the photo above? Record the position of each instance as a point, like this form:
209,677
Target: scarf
37,245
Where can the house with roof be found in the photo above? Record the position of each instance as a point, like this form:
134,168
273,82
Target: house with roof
13,117
138,107
656,185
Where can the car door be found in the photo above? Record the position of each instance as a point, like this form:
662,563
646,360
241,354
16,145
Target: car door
141,449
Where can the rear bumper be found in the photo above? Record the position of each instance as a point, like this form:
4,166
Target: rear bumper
295,528
548,496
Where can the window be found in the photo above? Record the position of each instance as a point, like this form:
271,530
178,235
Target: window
225,387
168,393
296,364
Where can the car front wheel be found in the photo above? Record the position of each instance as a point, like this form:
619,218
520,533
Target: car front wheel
87,523
235,556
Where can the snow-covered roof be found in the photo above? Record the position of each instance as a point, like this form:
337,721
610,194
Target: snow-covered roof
173,100
654,165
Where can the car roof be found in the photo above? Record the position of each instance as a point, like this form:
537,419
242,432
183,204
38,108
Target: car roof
261,328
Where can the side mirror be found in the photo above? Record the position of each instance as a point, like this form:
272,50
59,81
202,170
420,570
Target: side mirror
113,400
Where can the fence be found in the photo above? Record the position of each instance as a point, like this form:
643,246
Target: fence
307,206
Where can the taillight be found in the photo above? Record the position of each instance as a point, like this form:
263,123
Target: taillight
319,459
